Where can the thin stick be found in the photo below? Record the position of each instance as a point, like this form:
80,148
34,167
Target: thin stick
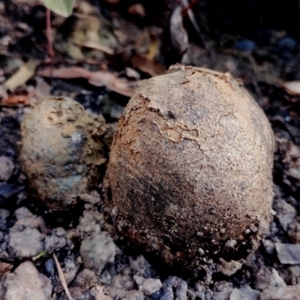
49,37
62,278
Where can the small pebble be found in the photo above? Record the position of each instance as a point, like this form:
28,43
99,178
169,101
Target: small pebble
150,286
27,283
96,251
245,45
6,168
281,293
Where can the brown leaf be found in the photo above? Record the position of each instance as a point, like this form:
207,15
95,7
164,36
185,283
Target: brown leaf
146,65
112,82
67,73
100,78
97,46
16,100
137,9
21,76
292,87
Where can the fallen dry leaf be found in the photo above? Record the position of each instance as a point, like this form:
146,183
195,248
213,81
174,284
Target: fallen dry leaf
97,46
153,48
179,35
100,78
137,9
190,13
16,100
21,76
146,65
292,87
62,278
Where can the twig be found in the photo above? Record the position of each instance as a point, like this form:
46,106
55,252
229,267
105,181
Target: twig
41,254
49,37
62,278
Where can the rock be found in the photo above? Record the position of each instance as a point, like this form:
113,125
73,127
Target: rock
4,214
85,279
294,275
98,293
23,213
7,190
124,282
288,253
223,295
141,267
245,45
150,286
2,289
56,241
116,293
25,243
50,267
287,44
249,292
294,231
291,292
223,289
138,279
228,268
181,290
27,219
96,251
134,295
25,237
6,168
286,213
26,283
90,222
238,295
93,197
244,293
267,277
269,246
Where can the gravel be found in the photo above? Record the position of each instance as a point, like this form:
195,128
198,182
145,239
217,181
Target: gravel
26,283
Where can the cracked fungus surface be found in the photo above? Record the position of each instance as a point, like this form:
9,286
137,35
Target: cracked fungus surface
61,150
190,171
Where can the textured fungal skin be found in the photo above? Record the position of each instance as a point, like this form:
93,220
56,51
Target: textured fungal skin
190,171
61,150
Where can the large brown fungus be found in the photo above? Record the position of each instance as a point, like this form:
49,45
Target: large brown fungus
61,150
190,172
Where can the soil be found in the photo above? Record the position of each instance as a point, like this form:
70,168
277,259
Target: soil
256,41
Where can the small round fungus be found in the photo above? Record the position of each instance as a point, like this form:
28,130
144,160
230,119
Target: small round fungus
189,178
61,150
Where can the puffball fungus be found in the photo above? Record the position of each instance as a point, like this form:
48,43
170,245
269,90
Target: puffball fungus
61,150
189,177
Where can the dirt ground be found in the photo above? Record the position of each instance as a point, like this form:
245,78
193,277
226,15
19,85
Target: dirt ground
101,53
